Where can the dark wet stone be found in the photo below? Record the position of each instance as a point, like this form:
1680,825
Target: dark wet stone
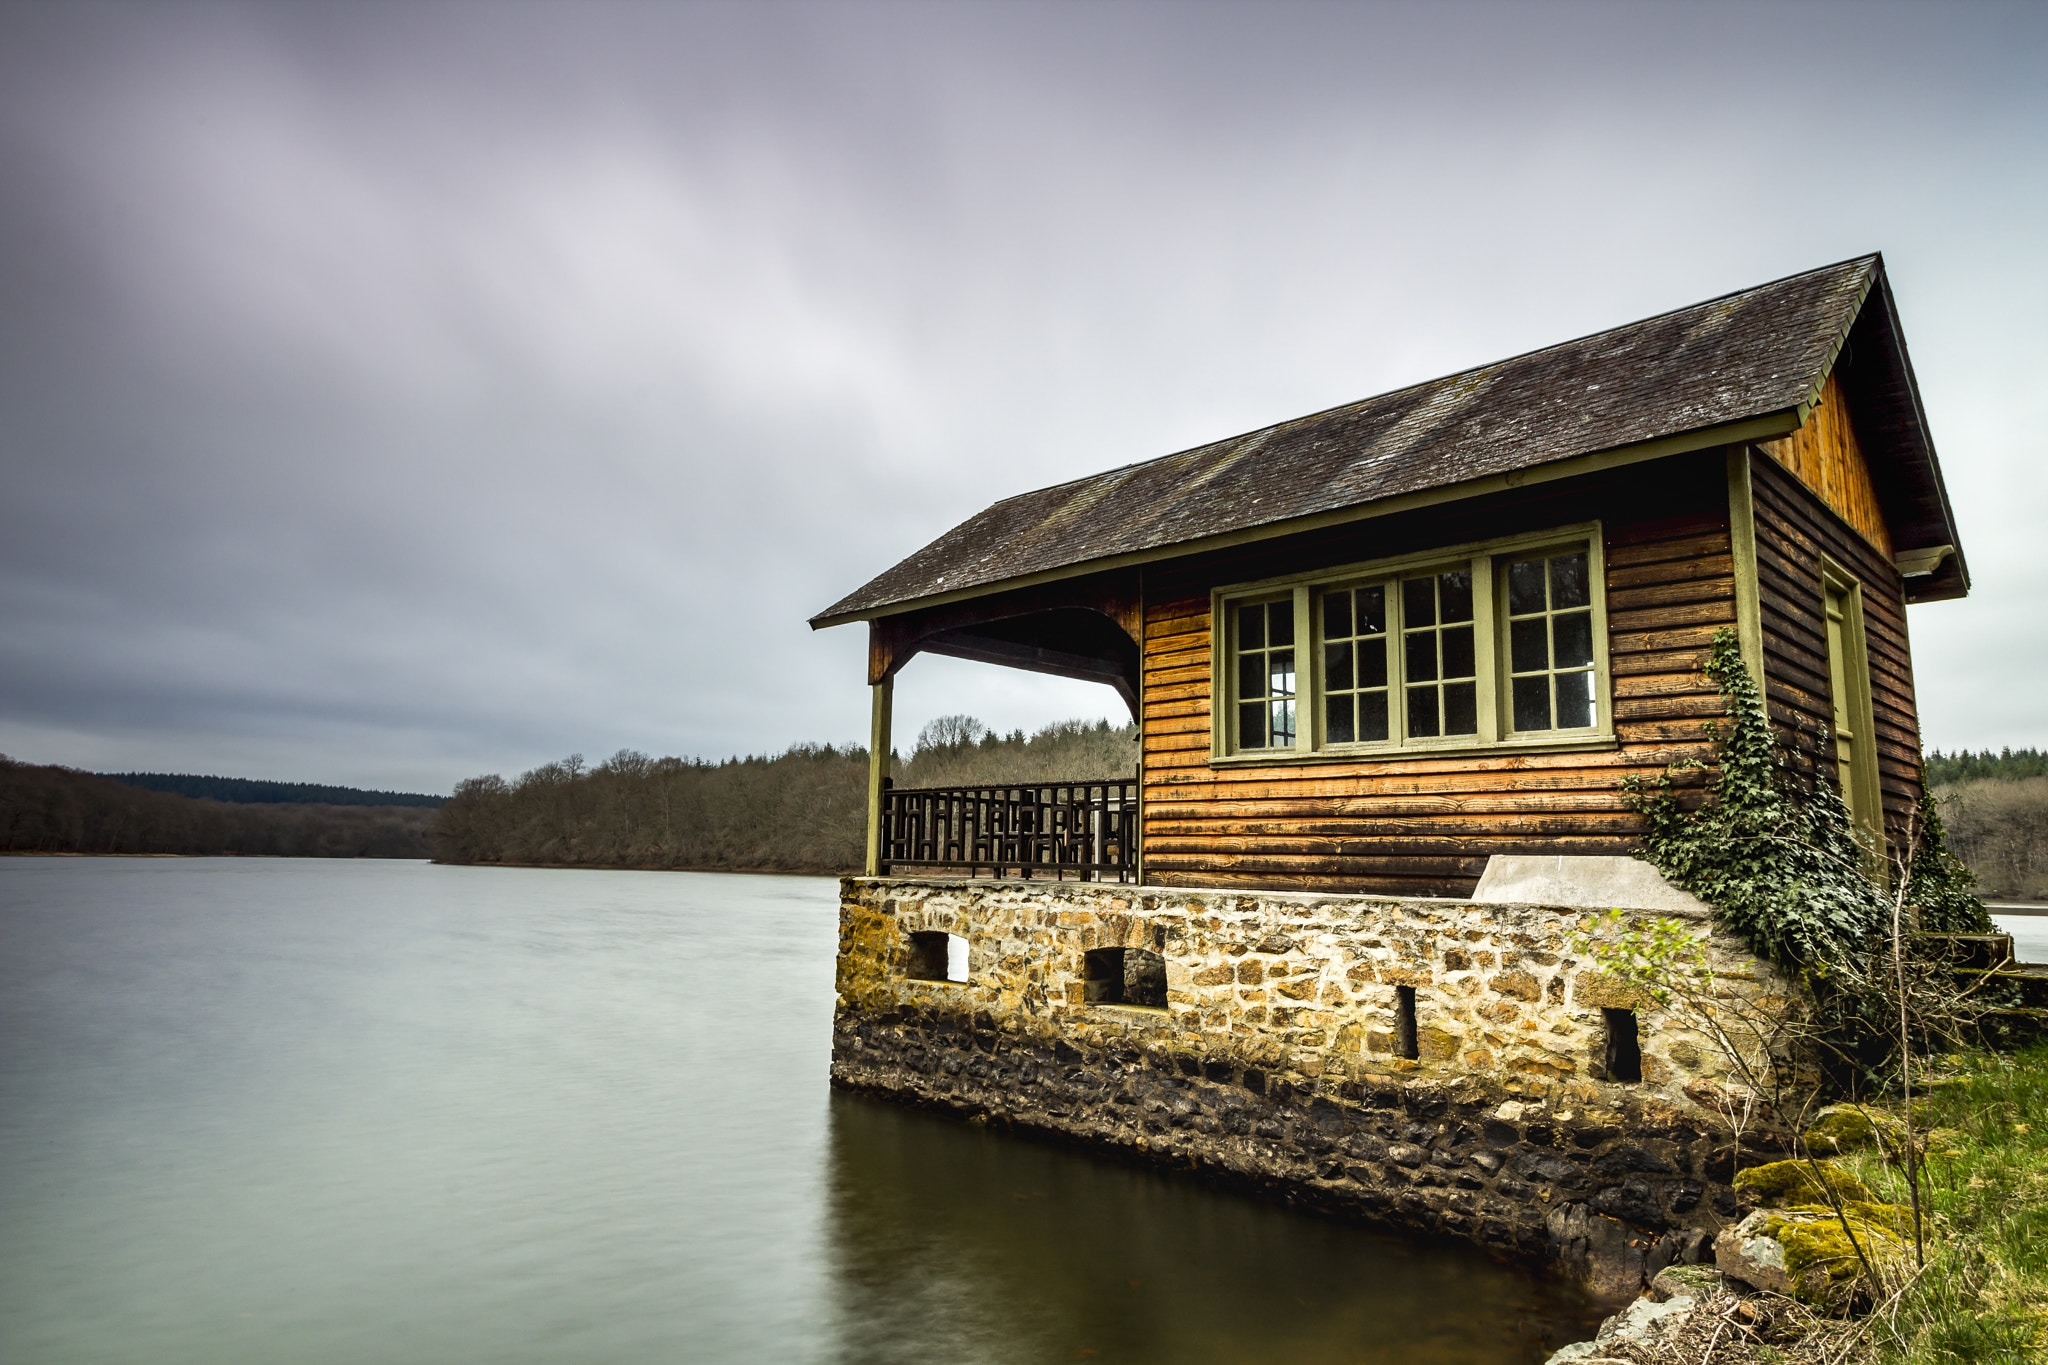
1623,1160
1632,1201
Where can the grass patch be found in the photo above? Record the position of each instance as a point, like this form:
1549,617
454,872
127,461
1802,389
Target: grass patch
1983,1295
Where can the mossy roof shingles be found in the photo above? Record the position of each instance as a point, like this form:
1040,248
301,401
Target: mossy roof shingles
1744,355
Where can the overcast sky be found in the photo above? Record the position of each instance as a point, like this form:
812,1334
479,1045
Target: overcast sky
393,393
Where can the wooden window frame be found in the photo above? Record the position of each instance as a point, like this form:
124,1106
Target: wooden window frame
1487,560
1866,801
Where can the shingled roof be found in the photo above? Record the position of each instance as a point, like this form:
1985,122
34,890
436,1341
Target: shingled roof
1756,353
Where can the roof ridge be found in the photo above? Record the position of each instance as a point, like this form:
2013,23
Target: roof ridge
1877,257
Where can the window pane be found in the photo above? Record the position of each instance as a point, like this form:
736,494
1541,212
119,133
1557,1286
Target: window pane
1532,703
1337,667
1574,700
1251,725
1418,602
1526,649
1525,586
1372,662
1455,594
1251,627
1574,640
1372,715
1336,615
1461,709
1458,652
1280,622
1422,711
1568,582
1421,656
1337,720
1251,676
1283,723
1280,672
1372,611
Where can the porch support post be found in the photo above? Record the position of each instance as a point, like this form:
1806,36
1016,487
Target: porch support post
878,768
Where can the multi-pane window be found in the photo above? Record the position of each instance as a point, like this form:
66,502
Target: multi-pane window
1354,622
1265,675
1438,662
1553,684
1491,644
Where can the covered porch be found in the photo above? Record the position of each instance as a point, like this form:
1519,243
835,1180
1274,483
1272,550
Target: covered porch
1084,828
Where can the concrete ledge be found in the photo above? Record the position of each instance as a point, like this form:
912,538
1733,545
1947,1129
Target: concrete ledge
1585,883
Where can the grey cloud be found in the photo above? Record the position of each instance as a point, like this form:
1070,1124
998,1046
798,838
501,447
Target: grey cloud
391,393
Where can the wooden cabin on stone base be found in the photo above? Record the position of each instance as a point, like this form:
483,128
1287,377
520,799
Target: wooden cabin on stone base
1376,649
1392,663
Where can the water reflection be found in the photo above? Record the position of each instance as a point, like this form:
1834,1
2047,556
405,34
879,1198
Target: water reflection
952,1244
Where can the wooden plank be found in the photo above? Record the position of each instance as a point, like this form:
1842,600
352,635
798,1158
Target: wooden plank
1661,639
1682,661
1718,613
1362,886
1676,684
1697,546
1673,594
1411,830
1168,689
1697,569
1468,804
1627,709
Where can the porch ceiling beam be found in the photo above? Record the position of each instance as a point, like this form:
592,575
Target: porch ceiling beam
1034,658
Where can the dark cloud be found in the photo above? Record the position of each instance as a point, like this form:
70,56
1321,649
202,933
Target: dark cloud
392,393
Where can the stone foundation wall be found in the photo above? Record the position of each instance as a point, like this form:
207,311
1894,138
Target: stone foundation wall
1273,1062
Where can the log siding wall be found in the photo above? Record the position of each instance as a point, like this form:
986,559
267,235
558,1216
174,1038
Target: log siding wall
1794,529
1400,825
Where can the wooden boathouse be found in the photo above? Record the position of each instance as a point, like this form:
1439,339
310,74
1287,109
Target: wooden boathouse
1392,663
1372,648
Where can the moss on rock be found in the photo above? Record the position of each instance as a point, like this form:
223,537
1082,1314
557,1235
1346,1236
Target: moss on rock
1851,1128
1781,1184
1823,1262
1808,1253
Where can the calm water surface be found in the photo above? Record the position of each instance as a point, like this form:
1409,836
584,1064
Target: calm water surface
313,1111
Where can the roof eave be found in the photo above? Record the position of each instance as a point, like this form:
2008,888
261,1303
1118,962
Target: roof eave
1762,427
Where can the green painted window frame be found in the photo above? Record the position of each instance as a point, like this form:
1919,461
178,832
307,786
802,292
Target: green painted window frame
1487,562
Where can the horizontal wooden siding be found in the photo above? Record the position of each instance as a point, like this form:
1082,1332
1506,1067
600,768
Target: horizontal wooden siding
1427,825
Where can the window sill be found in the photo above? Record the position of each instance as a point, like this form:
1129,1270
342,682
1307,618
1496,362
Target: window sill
1589,744
1155,1011
934,981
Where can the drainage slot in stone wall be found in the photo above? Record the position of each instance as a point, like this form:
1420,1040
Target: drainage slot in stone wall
938,957
1124,976
1404,1023
1624,1055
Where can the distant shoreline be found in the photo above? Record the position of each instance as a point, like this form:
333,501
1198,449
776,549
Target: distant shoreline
643,867
2037,909
435,862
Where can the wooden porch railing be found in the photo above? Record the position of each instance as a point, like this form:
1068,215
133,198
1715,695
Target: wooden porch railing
1086,828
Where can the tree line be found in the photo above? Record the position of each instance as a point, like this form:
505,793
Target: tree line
804,810
48,809
2010,765
250,790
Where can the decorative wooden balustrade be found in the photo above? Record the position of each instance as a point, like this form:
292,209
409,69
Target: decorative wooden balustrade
1086,828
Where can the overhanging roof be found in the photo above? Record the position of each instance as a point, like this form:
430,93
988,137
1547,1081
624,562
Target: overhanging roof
1745,366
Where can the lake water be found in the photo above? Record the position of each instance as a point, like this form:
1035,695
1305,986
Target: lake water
2029,929
314,1111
